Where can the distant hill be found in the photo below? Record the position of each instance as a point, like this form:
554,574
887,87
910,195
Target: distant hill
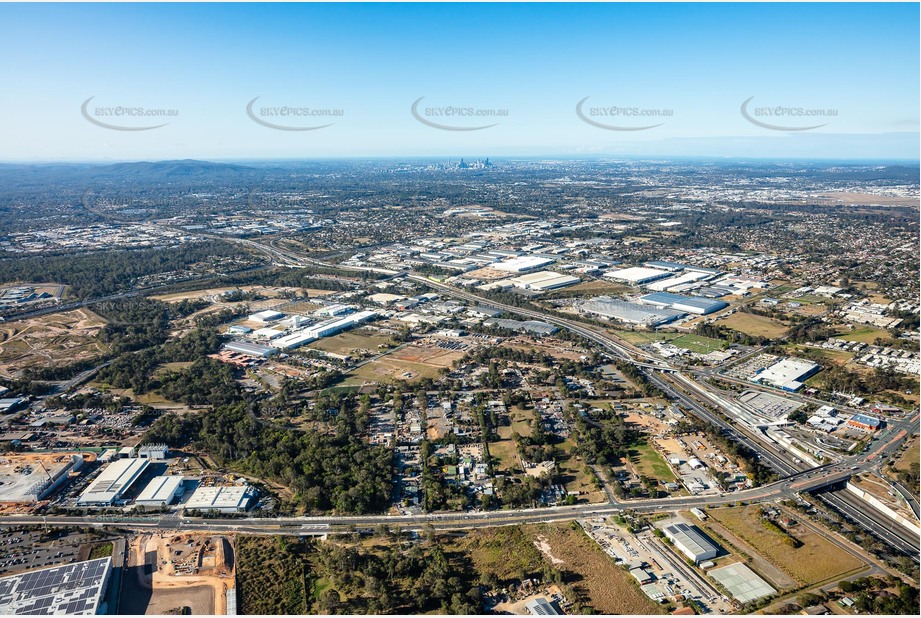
186,169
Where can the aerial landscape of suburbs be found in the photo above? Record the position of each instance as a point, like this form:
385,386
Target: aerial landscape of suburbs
465,383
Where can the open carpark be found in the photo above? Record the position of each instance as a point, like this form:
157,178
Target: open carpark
815,560
23,549
771,406
50,340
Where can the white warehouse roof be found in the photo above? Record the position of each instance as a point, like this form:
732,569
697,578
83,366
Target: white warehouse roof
114,480
160,491
523,264
637,275
692,542
227,499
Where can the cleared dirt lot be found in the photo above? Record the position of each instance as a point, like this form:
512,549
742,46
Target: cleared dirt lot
428,355
150,586
50,340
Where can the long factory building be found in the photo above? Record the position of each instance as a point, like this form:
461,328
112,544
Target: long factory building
692,542
625,311
114,480
687,304
323,329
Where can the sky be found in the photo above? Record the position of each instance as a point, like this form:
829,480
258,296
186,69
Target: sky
494,80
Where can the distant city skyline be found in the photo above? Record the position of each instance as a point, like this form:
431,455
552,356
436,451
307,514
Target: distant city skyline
256,81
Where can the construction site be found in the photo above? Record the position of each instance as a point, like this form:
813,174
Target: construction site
178,573
28,478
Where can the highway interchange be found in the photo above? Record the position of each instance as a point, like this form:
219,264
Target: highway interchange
695,397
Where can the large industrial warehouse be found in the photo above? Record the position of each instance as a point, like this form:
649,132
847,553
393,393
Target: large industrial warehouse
692,542
232,499
637,275
634,313
687,304
160,491
113,482
788,374
523,264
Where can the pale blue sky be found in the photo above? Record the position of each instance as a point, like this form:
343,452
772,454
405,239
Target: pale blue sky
537,61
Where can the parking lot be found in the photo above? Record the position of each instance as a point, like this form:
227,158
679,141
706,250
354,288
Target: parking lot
21,550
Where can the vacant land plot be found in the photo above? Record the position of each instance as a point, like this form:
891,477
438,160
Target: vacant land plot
576,476
909,457
591,287
505,450
817,560
696,343
755,325
648,462
641,338
609,588
820,355
519,552
866,334
349,342
388,369
50,340
428,355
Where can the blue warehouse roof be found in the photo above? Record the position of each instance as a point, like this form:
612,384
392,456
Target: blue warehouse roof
706,305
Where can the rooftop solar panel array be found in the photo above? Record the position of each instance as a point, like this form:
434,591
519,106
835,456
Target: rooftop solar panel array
72,589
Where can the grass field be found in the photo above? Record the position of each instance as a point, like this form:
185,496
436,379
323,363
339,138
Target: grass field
837,357
866,334
590,288
755,325
101,550
346,343
696,343
641,338
648,462
388,369
816,561
910,456
505,449
575,475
